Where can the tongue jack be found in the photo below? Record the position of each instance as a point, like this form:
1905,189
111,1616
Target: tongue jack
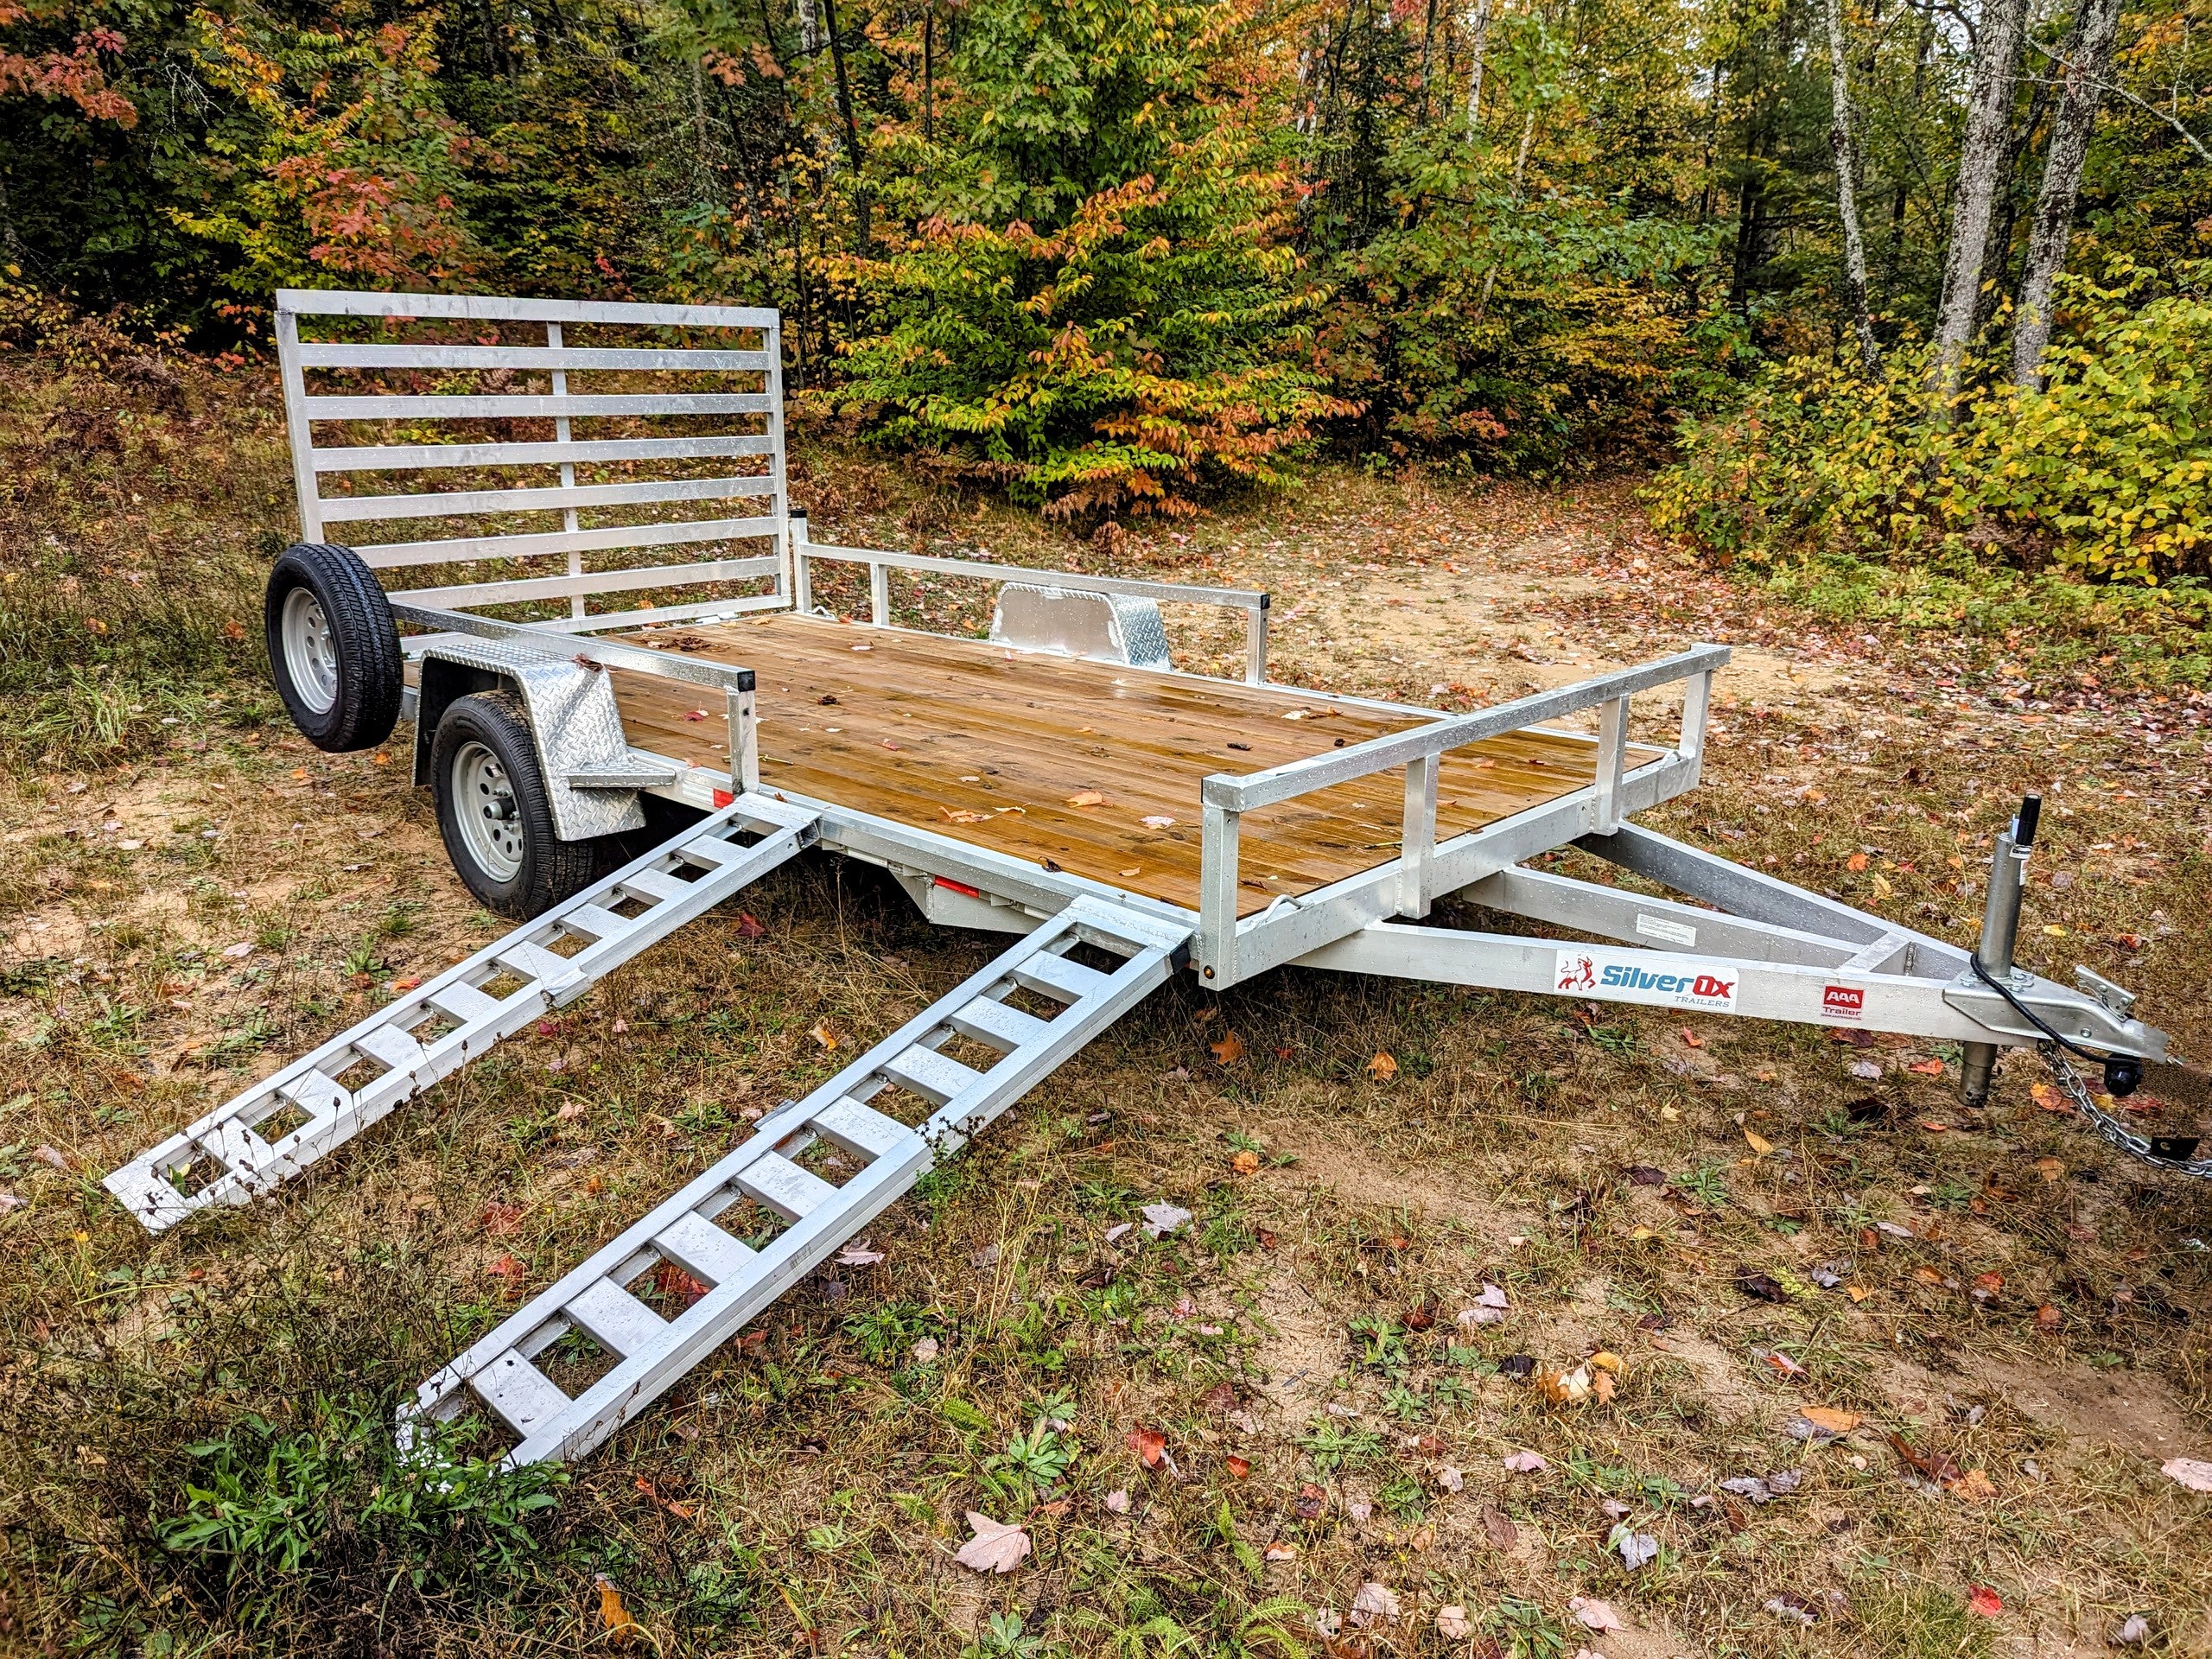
2000,933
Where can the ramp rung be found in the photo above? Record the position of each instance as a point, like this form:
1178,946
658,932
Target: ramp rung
936,1078
996,1025
598,923
701,1248
821,1217
792,1193
1055,976
316,1094
614,1319
393,1046
480,1020
653,884
464,1003
860,1131
520,1392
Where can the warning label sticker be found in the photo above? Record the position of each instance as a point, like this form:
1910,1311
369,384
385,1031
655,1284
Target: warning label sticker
1639,977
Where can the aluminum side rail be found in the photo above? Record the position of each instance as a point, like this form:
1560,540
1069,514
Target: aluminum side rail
1231,949
1253,602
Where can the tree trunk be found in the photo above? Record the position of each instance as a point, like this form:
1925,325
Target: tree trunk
1478,45
2087,55
862,208
1847,192
810,27
1981,155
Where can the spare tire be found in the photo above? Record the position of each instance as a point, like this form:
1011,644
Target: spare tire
333,647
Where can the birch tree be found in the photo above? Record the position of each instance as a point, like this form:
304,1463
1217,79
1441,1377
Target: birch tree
1981,156
2086,59
1846,148
1479,44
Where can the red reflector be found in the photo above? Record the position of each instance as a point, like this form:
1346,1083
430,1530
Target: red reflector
957,887
724,798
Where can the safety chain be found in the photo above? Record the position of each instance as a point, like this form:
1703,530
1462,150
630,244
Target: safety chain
2135,1146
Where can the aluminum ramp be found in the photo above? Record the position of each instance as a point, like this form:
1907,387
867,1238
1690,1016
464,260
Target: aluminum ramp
436,1029
649,1352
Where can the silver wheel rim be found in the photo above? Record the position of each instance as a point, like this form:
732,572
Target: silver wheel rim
484,807
310,657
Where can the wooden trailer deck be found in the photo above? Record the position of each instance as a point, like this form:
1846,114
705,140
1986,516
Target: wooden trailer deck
1062,761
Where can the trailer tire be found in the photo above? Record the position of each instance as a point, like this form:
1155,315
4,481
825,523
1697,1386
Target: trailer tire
494,814
333,648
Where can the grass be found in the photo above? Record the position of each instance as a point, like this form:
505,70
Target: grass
196,1454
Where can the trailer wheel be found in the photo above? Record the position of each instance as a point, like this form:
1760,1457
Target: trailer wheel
492,811
333,646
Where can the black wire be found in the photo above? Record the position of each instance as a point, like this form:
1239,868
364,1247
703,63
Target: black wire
2030,1015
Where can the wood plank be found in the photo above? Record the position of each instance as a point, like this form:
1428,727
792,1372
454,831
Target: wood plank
1053,760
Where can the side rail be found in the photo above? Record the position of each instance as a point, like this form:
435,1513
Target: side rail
880,563
662,449
1229,951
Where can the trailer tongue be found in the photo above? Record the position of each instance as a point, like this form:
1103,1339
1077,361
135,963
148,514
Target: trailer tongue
1061,782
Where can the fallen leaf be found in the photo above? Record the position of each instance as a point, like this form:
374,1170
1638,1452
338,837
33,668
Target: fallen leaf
1310,1503
671,1280
1783,1363
926,1350
748,925
1500,1531
962,815
1982,1599
2047,1096
1280,1551
2192,1472
1881,887
2051,1169
1932,1464
1764,1286
1452,1624
1155,822
1230,1049
1758,1143
1855,863
859,1256
1149,1444
1525,1462
1087,797
1926,1068
1375,1604
612,1613
2133,1633
1117,1501
1974,1485
821,1034
1565,1388
1595,1615
412,983
1828,1419
1450,1478
1245,1162
2047,1318
1637,1548
1238,1467
996,1547
1161,1219
1134,869
1382,1067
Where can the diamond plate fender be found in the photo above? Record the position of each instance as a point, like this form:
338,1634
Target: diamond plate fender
573,720
1104,628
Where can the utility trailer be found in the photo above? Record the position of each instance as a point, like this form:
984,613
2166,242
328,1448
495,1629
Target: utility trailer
666,664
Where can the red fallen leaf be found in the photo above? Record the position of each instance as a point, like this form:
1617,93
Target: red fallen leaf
1266,1238
753,1339
1981,1598
233,629
1310,1503
1238,1467
498,1218
1932,1464
1057,1508
1926,1068
1149,1444
696,714
1422,1318
1691,1040
413,982
671,1280
2046,1318
1230,1049
514,1271
1931,1125
1220,1398
748,925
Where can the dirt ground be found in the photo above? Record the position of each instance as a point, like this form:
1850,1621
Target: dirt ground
1998,1325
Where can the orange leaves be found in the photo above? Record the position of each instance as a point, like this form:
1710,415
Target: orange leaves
621,1627
1382,1067
1230,1049
1150,1445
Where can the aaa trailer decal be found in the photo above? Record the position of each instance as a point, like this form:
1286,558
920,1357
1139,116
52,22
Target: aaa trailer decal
1843,1001
1629,977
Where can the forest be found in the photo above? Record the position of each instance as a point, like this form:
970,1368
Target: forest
1902,280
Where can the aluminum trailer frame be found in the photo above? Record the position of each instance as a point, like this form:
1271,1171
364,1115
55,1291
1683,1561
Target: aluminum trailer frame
1737,942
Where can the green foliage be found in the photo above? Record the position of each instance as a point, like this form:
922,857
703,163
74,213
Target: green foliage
266,1503
2105,472
1094,306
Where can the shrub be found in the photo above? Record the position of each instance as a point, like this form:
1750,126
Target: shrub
2107,472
